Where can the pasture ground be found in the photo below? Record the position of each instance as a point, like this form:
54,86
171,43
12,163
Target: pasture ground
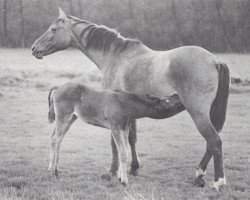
170,149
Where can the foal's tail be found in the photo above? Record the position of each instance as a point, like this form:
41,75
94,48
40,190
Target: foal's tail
219,106
51,114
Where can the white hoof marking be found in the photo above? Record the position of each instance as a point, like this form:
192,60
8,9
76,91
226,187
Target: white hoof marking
219,183
200,172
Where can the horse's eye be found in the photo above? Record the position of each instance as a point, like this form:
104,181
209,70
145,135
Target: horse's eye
53,30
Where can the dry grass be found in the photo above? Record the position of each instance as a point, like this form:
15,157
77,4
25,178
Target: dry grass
170,150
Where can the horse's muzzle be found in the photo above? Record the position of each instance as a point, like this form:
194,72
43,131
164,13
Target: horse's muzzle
35,52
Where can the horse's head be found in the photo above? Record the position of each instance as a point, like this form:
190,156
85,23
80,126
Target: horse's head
56,38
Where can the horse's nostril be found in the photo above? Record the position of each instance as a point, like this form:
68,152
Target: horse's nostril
33,48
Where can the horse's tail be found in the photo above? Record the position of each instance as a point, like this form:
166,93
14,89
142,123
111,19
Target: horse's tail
219,106
51,114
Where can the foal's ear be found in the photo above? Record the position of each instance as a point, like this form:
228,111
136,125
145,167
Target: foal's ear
62,15
152,98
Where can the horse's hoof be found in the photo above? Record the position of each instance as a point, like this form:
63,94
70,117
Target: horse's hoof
220,183
199,182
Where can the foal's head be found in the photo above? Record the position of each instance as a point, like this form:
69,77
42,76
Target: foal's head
164,108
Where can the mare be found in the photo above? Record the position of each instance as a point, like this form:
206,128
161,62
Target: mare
199,79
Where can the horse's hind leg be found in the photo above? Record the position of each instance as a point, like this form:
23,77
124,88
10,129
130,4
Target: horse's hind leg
62,126
214,143
201,170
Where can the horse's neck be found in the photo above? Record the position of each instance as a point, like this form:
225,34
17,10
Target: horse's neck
104,60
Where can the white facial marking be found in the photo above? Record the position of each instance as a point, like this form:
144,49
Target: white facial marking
200,172
219,183
167,100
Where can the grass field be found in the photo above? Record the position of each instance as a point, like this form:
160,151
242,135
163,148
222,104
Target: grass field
170,149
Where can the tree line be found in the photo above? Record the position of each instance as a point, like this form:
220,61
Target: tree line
217,25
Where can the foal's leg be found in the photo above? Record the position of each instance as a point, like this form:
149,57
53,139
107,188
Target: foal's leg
62,126
132,141
135,159
115,158
115,161
121,138
214,142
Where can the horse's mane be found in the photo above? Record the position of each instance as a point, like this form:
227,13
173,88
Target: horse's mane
101,37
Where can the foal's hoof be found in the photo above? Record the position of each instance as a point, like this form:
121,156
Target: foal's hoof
54,173
124,184
199,182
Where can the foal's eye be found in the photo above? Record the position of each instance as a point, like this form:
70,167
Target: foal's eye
53,30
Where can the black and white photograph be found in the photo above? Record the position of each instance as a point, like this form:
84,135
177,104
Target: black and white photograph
124,100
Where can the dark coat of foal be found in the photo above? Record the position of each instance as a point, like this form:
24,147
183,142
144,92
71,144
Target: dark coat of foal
108,109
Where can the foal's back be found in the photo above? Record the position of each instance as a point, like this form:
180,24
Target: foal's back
82,101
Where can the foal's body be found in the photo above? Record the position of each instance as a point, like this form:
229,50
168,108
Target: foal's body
107,109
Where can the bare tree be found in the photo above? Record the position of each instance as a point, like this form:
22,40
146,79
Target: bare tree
218,5
21,37
71,7
179,36
4,22
133,18
80,7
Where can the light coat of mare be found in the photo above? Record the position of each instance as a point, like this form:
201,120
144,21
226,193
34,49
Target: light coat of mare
107,109
196,75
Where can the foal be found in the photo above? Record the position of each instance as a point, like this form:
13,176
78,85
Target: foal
107,109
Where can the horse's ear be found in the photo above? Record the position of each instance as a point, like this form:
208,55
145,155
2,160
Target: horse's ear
152,98
62,15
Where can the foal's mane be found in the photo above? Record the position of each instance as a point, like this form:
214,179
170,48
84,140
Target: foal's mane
101,37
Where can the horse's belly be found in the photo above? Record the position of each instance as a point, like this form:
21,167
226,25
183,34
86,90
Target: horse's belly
160,90
156,83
